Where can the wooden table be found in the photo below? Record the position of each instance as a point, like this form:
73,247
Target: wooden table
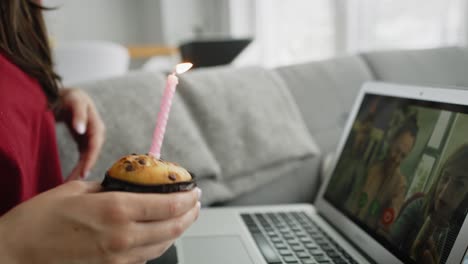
148,51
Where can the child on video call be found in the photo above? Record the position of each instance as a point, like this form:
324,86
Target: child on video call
422,227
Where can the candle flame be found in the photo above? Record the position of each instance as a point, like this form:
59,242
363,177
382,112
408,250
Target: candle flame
183,67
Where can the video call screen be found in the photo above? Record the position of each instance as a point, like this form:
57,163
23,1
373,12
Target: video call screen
402,175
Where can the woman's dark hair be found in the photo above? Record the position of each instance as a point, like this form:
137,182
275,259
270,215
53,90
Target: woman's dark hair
23,40
409,126
458,159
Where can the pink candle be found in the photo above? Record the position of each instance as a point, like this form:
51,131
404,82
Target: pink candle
165,108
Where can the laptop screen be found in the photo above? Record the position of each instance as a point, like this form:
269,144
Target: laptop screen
402,175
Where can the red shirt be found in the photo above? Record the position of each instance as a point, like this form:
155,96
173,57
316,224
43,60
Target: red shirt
29,162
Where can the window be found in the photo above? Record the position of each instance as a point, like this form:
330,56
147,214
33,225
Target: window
389,24
294,30
302,30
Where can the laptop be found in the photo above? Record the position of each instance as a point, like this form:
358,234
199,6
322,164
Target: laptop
396,192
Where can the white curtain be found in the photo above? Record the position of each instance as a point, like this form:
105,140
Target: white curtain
389,24
293,31
302,30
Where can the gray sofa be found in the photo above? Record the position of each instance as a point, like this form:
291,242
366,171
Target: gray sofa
254,135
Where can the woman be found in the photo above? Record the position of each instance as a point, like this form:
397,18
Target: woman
43,220
385,185
350,172
421,229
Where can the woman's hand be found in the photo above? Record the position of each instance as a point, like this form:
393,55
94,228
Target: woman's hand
79,113
428,252
429,255
74,223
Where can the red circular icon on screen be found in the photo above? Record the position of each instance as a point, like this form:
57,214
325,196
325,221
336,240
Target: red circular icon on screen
388,216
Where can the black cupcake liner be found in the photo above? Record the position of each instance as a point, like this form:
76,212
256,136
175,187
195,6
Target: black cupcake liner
112,184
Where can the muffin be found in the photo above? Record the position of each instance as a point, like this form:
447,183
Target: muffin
146,174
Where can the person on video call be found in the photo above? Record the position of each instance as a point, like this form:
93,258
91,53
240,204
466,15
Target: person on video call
422,227
41,219
384,189
350,171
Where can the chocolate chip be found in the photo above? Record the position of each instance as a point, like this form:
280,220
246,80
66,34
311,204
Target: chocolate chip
172,177
134,154
142,161
129,167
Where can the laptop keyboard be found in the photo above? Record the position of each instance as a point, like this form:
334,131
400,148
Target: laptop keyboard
292,237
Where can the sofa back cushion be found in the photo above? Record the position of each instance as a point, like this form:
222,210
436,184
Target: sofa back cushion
129,107
441,66
247,117
325,92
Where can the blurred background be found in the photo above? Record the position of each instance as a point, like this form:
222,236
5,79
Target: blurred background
269,32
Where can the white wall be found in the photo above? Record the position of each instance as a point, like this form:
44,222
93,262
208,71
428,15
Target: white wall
179,19
150,21
160,22
146,21
113,20
241,18
188,19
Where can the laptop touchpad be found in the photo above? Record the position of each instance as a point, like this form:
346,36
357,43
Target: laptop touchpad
214,249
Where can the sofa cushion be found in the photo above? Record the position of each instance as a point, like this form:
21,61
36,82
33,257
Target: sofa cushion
325,92
129,107
442,66
248,119
297,182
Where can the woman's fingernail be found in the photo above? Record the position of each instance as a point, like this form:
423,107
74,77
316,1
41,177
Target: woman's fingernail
80,128
199,210
199,193
85,175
